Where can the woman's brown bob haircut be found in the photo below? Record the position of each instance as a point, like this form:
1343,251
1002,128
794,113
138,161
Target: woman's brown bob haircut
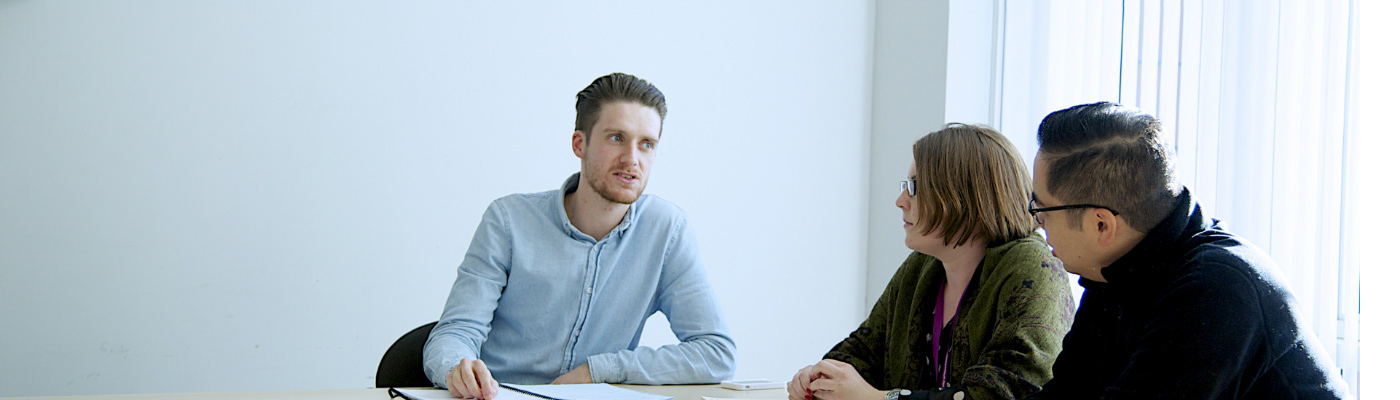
971,181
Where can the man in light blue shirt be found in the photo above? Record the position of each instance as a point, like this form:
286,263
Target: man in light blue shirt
556,286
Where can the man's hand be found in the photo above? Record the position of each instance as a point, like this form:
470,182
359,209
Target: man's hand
798,388
470,379
580,374
835,380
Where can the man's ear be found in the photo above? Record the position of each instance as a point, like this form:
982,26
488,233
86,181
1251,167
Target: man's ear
1107,226
579,142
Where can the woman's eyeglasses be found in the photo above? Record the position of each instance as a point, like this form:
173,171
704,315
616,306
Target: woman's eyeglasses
908,186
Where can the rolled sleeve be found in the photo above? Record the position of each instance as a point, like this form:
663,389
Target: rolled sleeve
466,318
605,367
706,351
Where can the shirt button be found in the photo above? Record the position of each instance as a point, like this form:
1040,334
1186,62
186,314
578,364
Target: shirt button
589,290
926,361
928,337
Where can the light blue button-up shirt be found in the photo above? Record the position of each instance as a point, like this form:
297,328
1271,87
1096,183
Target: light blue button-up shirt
535,297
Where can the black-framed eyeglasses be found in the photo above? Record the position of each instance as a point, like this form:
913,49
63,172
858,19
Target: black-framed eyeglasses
908,186
1035,211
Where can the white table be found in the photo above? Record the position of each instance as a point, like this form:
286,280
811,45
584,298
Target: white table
679,392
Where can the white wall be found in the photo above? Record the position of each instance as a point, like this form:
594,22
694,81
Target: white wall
221,195
935,62
973,33
909,79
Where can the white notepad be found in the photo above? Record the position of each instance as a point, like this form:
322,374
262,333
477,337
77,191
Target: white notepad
587,391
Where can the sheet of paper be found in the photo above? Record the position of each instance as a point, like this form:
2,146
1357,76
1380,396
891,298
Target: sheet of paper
587,391
443,394
426,394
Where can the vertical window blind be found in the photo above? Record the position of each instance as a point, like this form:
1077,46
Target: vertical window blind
1258,100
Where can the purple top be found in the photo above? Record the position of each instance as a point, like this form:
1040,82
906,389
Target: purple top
940,352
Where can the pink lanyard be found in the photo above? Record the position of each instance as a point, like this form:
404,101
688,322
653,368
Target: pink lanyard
940,364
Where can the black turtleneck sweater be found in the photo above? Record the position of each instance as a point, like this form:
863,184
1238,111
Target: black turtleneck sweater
1192,312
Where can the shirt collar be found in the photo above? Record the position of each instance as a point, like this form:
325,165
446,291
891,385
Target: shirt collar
1160,250
570,185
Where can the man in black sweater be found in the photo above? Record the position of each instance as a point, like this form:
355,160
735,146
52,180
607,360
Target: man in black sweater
1174,306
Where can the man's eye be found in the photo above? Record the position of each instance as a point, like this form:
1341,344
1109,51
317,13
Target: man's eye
615,138
648,145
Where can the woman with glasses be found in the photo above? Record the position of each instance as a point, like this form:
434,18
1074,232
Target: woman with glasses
979,308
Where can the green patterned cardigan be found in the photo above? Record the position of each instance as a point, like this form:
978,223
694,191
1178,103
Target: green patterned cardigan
1015,313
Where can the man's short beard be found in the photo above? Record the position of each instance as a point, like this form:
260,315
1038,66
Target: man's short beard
598,184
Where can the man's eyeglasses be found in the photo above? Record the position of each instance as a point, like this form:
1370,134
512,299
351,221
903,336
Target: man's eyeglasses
1035,211
908,186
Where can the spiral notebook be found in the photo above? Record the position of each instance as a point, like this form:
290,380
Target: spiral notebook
587,391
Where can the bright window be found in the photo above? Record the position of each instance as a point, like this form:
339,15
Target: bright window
1258,98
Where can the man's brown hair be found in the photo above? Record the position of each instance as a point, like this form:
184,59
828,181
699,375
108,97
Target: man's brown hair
970,180
614,87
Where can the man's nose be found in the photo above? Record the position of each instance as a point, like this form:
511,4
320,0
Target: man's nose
630,156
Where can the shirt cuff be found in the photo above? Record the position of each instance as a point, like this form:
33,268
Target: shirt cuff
605,368
438,372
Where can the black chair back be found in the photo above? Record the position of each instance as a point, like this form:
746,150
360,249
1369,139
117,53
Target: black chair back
402,365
